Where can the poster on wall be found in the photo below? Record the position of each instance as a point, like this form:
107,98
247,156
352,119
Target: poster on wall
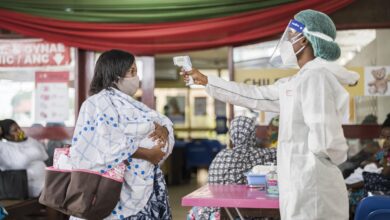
51,96
377,81
200,106
175,109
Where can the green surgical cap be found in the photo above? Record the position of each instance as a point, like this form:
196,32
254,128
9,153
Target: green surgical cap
316,21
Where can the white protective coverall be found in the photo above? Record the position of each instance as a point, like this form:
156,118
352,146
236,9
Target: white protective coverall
311,141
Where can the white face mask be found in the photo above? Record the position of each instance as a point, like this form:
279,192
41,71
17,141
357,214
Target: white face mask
128,86
287,54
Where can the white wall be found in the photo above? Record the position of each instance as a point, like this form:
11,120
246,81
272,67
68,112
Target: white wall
377,53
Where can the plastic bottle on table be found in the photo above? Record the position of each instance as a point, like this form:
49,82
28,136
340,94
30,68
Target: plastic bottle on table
272,182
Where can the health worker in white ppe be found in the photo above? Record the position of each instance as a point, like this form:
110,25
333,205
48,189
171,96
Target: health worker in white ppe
311,105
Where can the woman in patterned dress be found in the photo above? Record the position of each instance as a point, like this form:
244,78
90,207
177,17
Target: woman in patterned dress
107,133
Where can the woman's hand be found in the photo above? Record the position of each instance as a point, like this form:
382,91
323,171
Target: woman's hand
160,133
197,76
155,155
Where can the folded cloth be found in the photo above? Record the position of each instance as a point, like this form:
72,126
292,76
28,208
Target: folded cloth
357,175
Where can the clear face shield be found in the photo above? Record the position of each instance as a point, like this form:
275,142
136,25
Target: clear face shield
284,55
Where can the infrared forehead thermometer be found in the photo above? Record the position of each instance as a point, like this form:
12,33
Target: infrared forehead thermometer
185,62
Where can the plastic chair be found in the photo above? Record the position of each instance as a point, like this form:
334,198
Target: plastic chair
200,153
381,214
373,208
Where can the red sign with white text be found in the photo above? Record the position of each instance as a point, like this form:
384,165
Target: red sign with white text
33,53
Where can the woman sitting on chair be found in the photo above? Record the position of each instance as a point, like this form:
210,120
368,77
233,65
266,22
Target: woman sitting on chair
18,152
229,166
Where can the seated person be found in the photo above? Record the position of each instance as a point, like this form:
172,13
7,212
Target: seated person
373,180
18,152
269,146
368,147
271,140
365,155
230,165
381,183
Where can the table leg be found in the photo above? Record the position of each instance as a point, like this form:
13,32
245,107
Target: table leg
239,213
229,214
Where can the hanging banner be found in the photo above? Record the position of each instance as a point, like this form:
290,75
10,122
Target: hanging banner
263,77
51,96
377,81
33,53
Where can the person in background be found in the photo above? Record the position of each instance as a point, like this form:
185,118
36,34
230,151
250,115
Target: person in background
271,140
112,127
368,147
380,183
373,173
230,165
370,119
20,152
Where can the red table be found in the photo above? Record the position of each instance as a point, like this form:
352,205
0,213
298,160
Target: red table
230,196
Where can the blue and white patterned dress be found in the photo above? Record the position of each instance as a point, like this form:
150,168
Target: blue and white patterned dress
110,128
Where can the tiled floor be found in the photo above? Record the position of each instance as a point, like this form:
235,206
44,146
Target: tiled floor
175,195
178,191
